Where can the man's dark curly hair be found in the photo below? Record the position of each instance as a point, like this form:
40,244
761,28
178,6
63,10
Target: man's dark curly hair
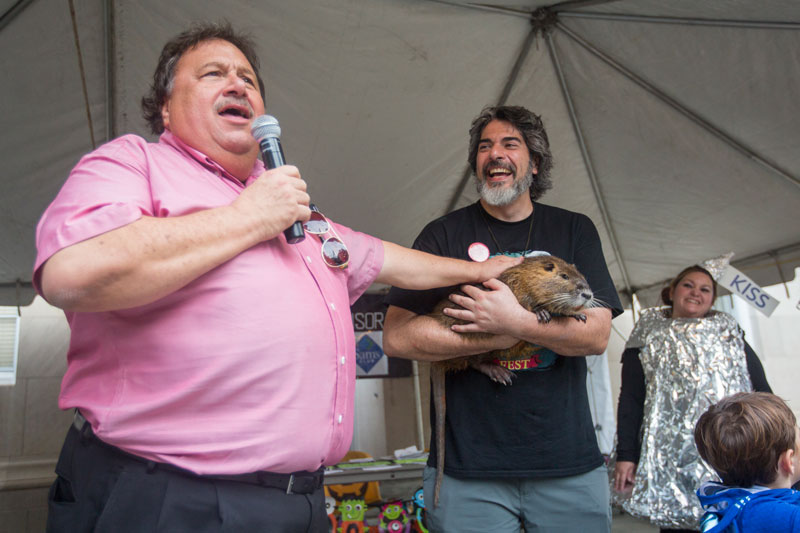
530,126
164,76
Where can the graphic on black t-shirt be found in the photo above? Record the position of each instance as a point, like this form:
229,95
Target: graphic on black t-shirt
539,359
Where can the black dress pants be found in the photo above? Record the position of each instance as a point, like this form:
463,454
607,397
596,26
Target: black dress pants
100,488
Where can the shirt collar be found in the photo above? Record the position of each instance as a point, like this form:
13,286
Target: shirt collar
171,140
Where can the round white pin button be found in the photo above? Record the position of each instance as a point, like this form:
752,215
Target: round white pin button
478,252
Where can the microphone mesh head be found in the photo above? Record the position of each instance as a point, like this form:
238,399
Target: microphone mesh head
264,127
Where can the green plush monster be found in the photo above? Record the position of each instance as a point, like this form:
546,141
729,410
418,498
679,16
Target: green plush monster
393,519
352,513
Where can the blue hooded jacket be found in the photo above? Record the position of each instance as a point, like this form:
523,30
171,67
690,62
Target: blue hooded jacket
751,510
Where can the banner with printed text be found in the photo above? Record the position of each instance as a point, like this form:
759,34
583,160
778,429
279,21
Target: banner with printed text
368,313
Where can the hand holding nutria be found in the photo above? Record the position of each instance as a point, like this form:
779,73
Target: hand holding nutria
546,286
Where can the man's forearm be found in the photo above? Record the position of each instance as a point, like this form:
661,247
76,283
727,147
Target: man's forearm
567,336
421,337
412,269
147,259
143,261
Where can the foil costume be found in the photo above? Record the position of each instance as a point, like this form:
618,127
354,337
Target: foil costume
688,364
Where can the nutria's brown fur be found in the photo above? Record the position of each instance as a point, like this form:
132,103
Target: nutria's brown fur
544,285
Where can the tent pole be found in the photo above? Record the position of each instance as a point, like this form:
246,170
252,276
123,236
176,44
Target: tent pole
555,8
108,51
691,115
12,12
559,8
18,283
598,194
749,24
82,71
418,406
482,7
741,264
774,256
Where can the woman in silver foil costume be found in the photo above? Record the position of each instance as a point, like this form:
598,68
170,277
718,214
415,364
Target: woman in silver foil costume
679,360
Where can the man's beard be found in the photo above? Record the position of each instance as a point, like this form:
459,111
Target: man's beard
501,196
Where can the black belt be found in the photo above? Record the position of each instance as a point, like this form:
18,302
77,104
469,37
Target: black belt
294,483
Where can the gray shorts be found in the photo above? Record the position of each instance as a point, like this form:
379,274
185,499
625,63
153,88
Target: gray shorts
577,504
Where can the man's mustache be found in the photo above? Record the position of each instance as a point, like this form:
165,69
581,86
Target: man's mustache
231,101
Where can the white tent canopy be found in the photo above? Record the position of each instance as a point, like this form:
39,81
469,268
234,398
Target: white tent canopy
673,124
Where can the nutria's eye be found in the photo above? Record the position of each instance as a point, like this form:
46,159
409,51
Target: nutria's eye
549,267
564,276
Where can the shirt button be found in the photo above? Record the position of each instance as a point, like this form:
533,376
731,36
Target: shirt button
333,306
342,359
308,258
340,419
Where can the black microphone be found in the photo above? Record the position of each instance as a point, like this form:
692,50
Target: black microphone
267,132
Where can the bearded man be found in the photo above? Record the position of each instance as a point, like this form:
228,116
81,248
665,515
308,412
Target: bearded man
525,454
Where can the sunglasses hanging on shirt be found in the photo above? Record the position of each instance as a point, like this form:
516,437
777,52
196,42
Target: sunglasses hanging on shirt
334,251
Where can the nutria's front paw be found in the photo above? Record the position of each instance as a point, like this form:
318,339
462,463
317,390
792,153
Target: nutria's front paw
496,373
543,315
580,316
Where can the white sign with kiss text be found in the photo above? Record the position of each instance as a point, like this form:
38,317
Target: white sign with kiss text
738,283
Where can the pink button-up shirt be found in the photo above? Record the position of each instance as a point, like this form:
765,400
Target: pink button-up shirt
249,367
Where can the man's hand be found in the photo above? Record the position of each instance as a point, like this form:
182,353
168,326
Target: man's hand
273,202
490,311
497,311
491,268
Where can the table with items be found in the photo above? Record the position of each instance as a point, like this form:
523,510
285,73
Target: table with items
372,495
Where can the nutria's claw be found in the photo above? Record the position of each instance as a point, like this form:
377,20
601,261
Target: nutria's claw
580,316
543,315
496,373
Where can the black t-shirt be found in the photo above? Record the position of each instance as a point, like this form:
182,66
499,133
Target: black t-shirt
540,426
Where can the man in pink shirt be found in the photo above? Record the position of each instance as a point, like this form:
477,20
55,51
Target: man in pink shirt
211,363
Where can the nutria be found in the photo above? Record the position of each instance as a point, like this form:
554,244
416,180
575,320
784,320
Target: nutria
544,285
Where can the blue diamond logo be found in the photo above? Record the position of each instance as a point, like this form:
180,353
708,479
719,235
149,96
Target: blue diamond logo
368,353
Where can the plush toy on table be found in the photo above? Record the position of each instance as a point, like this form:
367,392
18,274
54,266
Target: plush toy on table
393,518
351,513
330,510
419,512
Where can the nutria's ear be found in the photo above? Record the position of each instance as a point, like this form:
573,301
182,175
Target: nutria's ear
550,267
